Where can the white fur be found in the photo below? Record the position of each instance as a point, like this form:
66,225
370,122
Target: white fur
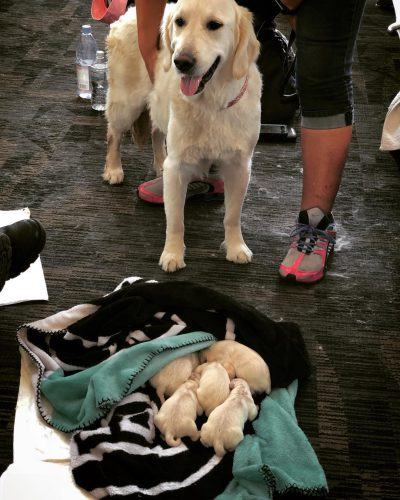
246,363
177,416
224,427
200,129
214,386
169,378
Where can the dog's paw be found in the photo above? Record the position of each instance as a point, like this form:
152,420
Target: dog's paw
113,175
171,261
239,254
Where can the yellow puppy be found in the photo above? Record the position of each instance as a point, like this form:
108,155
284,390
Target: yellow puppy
214,386
224,427
246,363
169,378
177,416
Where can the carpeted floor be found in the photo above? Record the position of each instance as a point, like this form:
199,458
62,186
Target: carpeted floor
52,152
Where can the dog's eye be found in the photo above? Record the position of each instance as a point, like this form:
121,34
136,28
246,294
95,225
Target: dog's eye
179,21
214,25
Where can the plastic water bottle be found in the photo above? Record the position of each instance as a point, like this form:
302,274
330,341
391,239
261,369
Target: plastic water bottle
98,78
85,56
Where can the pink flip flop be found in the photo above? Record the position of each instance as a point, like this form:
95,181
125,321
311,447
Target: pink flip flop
108,12
206,189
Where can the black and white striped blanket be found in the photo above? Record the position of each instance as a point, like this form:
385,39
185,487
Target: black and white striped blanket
122,455
126,458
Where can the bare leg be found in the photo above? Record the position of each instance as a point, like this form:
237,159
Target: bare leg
159,151
324,157
236,179
176,179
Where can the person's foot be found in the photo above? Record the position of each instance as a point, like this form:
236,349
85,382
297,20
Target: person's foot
20,245
208,189
312,242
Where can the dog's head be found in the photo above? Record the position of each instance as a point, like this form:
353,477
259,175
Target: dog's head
205,36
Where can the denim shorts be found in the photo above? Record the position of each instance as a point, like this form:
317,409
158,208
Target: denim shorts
325,38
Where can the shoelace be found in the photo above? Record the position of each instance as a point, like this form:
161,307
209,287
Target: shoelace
308,237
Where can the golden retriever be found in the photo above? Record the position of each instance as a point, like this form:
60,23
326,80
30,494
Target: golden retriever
206,102
224,427
243,361
174,374
214,386
177,416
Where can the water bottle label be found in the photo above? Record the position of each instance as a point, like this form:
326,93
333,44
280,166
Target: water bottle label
83,77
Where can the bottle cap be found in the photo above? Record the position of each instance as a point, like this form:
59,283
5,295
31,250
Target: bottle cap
100,56
86,29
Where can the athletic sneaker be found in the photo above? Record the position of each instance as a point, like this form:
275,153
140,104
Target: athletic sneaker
312,242
207,189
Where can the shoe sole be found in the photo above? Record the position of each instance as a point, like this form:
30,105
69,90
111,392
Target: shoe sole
292,278
35,253
5,259
195,197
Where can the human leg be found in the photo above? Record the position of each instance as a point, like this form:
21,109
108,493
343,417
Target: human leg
324,60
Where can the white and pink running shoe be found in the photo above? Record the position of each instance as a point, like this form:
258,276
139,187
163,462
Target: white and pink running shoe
312,242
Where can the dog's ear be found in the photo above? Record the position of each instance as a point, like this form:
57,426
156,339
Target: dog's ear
166,36
247,46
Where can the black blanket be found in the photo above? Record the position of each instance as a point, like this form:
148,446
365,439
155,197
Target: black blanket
203,309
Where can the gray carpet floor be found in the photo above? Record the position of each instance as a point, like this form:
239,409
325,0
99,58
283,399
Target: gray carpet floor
52,149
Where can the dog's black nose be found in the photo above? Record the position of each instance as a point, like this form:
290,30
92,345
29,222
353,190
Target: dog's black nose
185,62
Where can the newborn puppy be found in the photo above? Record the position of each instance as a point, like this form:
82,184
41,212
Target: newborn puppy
169,378
214,386
224,427
178,414
246,363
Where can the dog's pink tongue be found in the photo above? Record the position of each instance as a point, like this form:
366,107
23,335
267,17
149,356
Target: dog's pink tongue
190,84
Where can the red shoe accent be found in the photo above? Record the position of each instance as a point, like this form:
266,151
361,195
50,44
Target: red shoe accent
323,248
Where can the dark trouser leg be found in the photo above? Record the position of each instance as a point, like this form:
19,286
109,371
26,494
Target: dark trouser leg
326,34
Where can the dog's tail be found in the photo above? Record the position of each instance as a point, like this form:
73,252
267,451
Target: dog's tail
172,440
141,129
219,448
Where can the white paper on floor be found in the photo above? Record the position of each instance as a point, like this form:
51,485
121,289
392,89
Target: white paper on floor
29,285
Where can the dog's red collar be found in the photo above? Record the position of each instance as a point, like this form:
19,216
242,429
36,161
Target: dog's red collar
240,95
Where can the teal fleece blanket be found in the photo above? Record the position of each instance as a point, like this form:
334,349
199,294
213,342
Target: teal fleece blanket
82,398
278,457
